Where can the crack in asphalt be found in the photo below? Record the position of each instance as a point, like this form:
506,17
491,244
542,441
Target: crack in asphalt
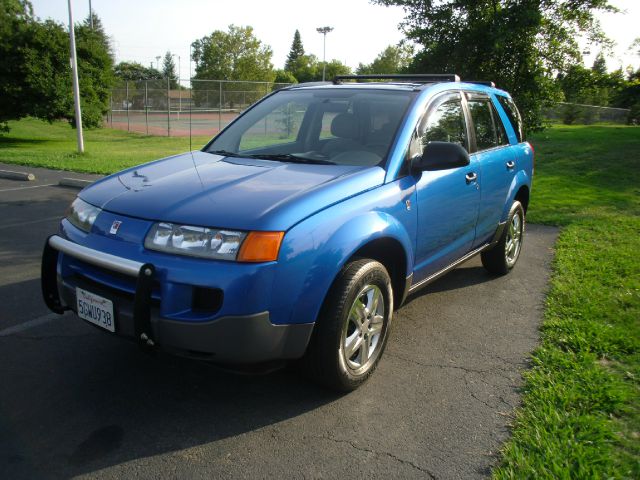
468,371
495,370
375,452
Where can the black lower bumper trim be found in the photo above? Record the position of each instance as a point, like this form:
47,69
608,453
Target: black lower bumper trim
49,279
236,339
142,305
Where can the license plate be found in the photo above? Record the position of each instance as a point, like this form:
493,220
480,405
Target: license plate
95,309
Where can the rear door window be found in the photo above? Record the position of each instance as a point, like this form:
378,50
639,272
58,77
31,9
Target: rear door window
513,115
488,128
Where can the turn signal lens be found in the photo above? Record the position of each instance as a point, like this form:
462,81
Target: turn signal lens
260,247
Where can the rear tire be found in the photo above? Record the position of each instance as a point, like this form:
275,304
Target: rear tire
353,326
503,256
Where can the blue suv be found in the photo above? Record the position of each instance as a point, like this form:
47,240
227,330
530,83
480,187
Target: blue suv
296,232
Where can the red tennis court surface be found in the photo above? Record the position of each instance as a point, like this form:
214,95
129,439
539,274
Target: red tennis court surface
177,124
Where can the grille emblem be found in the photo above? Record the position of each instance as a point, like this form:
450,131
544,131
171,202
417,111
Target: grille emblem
115,226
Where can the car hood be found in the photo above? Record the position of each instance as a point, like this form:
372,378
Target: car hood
200,188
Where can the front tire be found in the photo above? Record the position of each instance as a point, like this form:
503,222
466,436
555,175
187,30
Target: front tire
352,329
503,256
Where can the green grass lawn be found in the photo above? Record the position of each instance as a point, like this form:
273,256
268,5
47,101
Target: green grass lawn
40,144
581,409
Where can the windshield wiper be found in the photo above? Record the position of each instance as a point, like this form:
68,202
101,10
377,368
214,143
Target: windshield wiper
225,153
287,157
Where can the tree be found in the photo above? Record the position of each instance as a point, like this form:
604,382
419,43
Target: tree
169,70
283,76
35,76
95,71
233,55
521,45
393,59
34,67
600,64
306,69
133,71
309,69
297,51
334,67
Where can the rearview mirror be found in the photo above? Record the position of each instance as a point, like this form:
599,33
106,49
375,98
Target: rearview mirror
440,156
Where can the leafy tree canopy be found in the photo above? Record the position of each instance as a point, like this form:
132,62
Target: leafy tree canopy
232,55
521,45
305,68
334,67
308,68
35,76
283,76
133,71
95,71
393,59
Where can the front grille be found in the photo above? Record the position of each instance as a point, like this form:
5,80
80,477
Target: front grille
108,291
124,286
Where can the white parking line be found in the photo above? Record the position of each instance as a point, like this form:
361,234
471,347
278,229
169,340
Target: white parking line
32,323
25,188
20,224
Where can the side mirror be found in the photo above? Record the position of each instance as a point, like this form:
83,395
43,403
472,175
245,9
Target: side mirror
440,156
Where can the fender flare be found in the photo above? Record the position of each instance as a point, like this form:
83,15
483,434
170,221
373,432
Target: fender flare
307,277
520,179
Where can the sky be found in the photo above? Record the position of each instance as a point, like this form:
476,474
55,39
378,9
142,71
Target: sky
141,30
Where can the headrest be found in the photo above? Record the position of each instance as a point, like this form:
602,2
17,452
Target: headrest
344,126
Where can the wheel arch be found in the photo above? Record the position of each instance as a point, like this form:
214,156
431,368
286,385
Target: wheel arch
522,195
390,253
518,190
322,249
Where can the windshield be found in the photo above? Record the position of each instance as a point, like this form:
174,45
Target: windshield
334,126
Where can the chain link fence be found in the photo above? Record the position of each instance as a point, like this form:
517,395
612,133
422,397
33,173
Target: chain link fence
579,114
154,108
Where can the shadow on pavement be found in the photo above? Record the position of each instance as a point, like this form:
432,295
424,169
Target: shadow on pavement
78,401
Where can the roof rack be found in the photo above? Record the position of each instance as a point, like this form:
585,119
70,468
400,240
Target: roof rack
309,84
487,83
417,78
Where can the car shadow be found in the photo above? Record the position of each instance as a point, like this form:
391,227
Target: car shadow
464,276
80,400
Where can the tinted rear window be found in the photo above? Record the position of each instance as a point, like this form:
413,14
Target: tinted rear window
487,125
513,114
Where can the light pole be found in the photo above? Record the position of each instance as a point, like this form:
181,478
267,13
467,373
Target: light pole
324,31
74,74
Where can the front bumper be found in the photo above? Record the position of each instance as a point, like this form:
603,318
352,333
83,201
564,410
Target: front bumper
228,339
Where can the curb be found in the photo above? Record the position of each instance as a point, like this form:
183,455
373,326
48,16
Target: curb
74,182
28,177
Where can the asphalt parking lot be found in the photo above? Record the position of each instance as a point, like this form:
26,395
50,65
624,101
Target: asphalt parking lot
75,401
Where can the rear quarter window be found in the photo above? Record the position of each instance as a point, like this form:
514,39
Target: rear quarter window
513,115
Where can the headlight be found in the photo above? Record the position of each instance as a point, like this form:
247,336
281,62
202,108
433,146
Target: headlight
214,243
194,241
82,214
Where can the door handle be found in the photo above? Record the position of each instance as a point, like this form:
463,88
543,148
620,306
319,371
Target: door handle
511,164
471,177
